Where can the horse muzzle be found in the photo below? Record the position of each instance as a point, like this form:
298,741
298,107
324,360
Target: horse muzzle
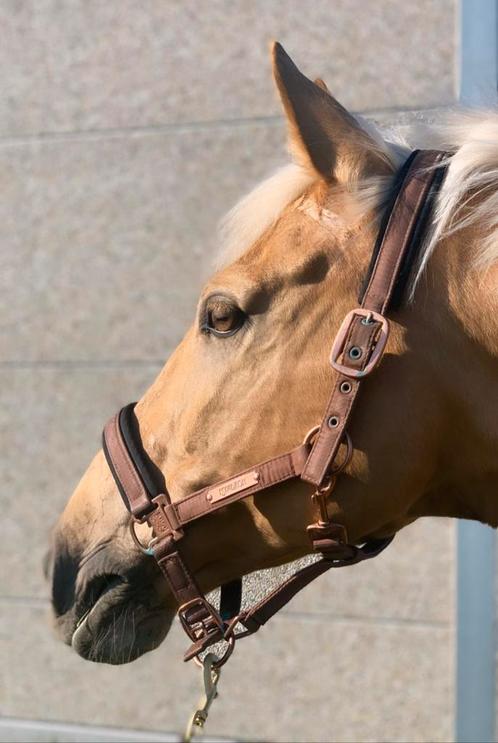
107,610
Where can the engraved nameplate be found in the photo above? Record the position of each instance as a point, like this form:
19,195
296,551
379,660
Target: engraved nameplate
235,485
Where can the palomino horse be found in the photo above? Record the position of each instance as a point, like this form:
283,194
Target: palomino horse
252,376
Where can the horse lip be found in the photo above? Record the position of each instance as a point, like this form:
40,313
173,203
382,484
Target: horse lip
114,583
146,631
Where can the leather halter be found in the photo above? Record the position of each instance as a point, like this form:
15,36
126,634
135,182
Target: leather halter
356,352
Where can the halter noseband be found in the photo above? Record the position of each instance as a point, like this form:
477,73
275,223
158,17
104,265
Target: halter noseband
356,351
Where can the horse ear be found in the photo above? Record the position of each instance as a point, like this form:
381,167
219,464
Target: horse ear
323,135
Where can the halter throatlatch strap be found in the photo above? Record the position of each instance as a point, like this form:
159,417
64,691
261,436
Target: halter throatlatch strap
356,352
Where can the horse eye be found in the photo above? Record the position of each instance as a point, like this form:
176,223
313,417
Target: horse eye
222,317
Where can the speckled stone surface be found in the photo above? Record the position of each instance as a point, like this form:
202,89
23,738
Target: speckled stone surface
411,581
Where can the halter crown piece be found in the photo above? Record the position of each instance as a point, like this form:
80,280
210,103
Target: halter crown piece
356,352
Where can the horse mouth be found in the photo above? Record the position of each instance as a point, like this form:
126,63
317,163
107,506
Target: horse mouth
118,622
94,593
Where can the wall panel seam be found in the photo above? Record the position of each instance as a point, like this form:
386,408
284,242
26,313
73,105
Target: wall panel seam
192,126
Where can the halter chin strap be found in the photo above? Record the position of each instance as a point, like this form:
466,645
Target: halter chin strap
356,352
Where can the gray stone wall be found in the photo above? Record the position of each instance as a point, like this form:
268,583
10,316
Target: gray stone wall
126,130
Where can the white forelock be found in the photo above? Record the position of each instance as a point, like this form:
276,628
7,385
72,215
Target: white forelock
259,209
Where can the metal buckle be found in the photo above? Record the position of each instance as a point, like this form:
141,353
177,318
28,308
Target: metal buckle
198,628
206,631
168,517
219,631
327,537
340,340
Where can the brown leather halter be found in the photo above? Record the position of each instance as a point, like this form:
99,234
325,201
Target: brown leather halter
356,352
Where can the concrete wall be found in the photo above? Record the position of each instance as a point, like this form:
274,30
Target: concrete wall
126,130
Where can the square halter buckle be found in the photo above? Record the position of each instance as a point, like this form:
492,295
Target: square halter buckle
200,619
205,627
369,316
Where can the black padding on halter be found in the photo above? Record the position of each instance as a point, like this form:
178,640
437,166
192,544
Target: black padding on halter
128,425
230,599
416,239
395,189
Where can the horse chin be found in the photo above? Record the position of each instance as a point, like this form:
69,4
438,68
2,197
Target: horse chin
120,626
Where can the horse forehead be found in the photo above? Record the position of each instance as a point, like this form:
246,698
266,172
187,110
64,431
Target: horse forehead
300,230
326,217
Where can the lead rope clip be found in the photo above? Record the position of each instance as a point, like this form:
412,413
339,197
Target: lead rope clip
210,676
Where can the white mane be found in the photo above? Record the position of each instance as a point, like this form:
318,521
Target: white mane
473,170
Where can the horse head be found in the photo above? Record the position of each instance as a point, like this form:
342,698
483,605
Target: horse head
252,376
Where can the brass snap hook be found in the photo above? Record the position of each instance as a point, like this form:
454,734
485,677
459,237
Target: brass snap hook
210,676
320,497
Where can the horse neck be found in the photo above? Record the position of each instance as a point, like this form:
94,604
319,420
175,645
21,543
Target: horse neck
462,309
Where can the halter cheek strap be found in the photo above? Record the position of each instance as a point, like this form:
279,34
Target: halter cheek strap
356,352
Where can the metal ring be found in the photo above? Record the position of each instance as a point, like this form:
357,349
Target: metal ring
146,550
223,659
308,439
346,440
231,625
326,487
